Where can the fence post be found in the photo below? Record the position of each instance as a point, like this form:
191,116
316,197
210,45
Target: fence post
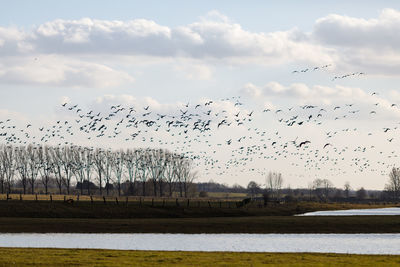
116,200
152,202
91,199
188,203
36,198
20,197
51,198
7,197
177,203
104,200
65,198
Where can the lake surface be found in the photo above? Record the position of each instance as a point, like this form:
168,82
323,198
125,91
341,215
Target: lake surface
354,212
333,243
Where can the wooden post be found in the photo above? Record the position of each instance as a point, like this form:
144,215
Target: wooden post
104,200
65,198
7,197
152,202
36,198
188,203
51,198
116,200
91,199
20,197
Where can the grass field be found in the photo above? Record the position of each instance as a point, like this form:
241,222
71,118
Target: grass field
89,257
153,217
254,224
119,208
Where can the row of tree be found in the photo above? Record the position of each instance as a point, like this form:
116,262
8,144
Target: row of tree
323,189
69,165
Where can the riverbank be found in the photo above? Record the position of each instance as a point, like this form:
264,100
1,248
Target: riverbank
91,257
163,208
253,224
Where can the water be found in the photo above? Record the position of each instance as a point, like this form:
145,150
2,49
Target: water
354,212
328,243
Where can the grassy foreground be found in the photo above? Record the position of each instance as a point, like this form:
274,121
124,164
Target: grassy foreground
90,257
254,224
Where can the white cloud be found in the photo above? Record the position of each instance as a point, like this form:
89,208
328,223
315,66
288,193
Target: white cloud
347,31
70,50
370,45
53,70
193,71
214,36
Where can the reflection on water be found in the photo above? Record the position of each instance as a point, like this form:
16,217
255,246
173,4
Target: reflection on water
333,243
384,211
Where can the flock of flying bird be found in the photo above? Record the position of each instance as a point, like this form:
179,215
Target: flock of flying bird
326,66
223,136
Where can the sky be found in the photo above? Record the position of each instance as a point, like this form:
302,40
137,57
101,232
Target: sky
336,61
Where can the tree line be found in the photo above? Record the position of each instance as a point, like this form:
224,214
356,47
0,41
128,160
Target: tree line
324,190
89,169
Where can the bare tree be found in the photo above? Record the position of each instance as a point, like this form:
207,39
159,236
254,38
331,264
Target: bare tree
88,162
99,160
34,165
8,163
393,186
2,171
184,175
22,163
46,167
79,168
108,165
170,171
68,163
57,164
322,188
347,189
118,167
274,183
132,162
156,166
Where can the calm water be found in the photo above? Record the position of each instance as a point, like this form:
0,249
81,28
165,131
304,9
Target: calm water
334,243
355,212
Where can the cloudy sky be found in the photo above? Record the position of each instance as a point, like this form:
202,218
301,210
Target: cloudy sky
167,53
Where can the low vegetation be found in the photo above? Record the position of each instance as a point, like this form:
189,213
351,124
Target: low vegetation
90,257
260,224
119,208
